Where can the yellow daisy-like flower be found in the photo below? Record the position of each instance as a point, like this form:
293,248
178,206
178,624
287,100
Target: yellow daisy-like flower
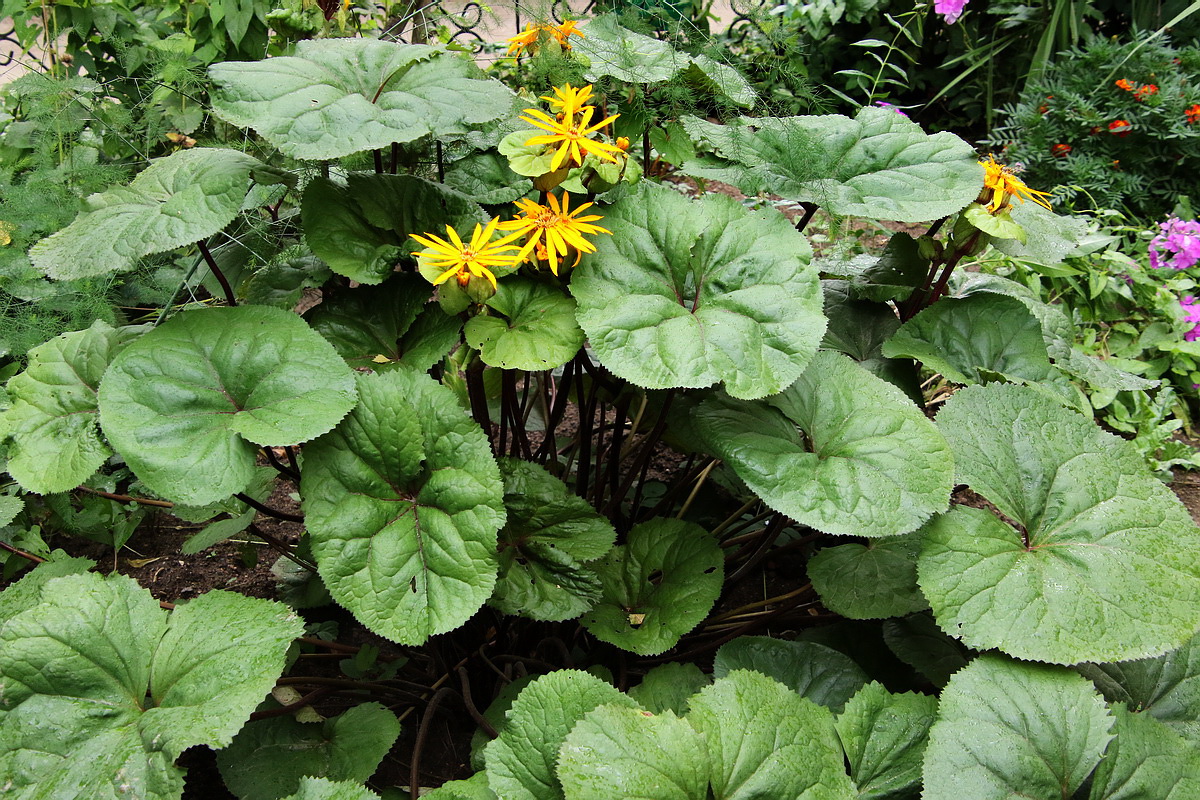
562,32
573,136
568,101
1000,184
528,39
554,230
462,260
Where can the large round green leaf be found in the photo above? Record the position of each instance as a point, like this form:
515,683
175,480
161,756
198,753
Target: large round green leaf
546,541
1146,759
103,689
177,200
268,757
1105,563
965,339
377,326
822,674
686,293
840,450
626,752
1007,729
884,736
337,232
403,501
56,443
871,581
335,97
877,165
764,740
521,761
360,229
657,586
1166,687
188,403
537,332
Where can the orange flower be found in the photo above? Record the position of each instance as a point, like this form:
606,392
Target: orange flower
1192,114
565,30
1060,150
1125,84
1120,127
537,32
1145,91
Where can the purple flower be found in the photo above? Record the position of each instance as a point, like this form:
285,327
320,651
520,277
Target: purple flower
950,10
1177,244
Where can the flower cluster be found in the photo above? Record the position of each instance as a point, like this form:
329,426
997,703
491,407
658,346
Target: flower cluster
552,231
1140,91
950,10
1192,113
1176,245
535,33
1191,315
1001,184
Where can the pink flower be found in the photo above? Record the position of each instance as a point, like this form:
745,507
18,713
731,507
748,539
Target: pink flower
950,10
1191,315
1177,244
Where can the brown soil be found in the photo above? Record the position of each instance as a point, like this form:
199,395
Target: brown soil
153,558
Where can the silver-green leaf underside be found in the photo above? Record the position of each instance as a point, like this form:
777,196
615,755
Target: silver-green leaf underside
877,165
77,667
336,97
1106,566
1010,729
403,501
189,403
688,293
56,442
840,450
177,200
